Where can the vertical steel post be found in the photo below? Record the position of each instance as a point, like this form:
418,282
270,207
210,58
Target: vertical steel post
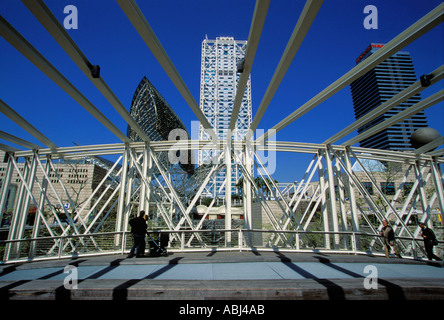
37,221
323,201
246,193
438,180
16,221
352,197
332,196
228,193
5,187
421,191
121,203
127,206
343,213
149,178
247,197
143,186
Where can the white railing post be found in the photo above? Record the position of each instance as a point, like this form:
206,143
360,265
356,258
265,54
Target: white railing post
353,239
60,252
182,241
240,240
124,237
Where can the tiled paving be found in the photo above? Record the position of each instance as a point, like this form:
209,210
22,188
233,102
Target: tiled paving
244,268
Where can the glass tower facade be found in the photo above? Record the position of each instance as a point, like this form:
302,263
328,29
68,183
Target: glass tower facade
379,85
219,79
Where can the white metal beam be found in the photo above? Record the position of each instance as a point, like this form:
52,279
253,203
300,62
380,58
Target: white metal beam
436,153
405,94
431,145
306,19
422,105
7,148
24,47
280,146
422,26
257,24
18,119
300,31
58,32
138,20
11,138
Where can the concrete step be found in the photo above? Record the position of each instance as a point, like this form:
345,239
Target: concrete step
312,289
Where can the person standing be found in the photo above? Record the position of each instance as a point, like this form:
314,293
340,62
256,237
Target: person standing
138,229
429,241
389,239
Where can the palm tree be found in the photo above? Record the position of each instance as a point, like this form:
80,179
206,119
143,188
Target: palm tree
240,185
263,185
260,183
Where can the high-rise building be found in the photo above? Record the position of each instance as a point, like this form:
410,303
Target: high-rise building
379,85
218,84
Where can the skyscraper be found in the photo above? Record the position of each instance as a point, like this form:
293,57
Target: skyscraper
379,85
218,83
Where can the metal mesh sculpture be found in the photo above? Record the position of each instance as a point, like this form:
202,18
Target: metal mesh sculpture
157,119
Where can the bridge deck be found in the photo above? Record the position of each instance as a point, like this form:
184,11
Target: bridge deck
226,275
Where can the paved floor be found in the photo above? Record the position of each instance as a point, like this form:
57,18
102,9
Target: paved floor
225,275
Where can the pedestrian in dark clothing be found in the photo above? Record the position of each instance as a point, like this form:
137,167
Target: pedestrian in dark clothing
429,241
138,229
389,239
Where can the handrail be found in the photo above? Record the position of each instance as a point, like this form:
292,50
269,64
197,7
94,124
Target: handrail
211,230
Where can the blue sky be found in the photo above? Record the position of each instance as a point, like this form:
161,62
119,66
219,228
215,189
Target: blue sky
107,38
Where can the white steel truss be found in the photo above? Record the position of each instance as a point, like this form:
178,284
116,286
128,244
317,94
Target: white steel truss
340,214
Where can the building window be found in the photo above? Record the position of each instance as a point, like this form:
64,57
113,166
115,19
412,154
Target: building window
368,186
388,188
407,188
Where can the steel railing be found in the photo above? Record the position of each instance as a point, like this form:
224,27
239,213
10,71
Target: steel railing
347,242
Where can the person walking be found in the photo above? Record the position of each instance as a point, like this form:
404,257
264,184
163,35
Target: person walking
429,241
138,229
389,239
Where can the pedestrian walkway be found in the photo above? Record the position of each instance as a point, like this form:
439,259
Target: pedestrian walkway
224,274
